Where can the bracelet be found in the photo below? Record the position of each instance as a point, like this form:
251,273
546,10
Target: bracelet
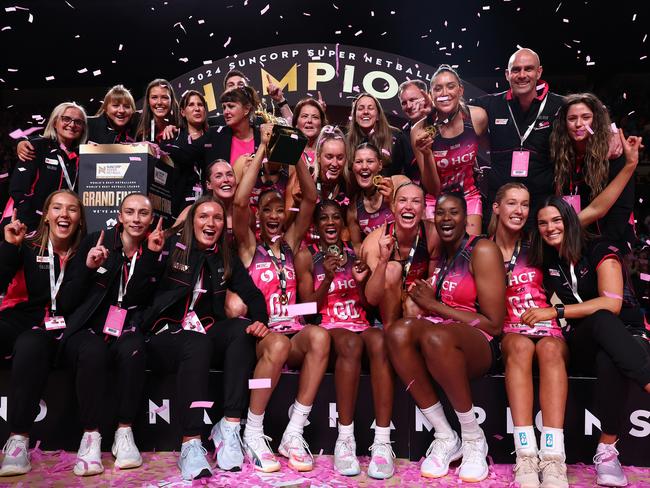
283,103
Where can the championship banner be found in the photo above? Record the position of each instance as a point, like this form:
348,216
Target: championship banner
109,172
339,71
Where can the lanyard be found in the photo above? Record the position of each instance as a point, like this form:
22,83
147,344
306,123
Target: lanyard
409,260
331,195
54,285
513,262
198,289
279,267
530,127
66,175
448,266
574,281
123,285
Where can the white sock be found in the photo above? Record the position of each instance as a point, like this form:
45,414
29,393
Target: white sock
436,417
469,427
525,440
254,423
298,418
346,431
552,443
382,435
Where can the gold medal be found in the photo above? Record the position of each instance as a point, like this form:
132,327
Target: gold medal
333,250
377,179
431,130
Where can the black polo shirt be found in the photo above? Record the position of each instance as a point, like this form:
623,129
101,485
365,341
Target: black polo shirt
504,140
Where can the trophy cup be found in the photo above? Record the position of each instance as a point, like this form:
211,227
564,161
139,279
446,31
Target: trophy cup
287,143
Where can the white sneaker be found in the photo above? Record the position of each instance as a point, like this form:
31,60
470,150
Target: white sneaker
553,471
345,457
259,452
89,457
16,461
228,445
443,450
192,461
609,469
474,466
526,471
124,449
381,465
294,447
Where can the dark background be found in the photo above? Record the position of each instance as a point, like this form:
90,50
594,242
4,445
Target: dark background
67,36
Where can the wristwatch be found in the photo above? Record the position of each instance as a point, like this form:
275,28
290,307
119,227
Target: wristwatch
283,103
559,308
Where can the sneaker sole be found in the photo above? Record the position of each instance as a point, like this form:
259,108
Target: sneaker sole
88,472
129,464
474,480
605,482
301,467
205,473
381,476
455,457
356,473
15,471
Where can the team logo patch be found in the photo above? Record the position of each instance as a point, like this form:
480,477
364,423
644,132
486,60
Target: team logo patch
262,265
553,272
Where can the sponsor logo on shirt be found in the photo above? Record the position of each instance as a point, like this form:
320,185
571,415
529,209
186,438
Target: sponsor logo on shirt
553,272
501,121
262,265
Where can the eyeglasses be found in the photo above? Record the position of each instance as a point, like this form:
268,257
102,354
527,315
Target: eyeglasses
69,120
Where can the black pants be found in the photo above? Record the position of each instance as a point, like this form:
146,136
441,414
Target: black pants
234,353
33,354
187,354
601,344
90,356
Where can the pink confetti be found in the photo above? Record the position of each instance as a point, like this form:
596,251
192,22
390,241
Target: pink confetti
307,308
644,276
409,385
201,404
612,295
259,383
181,246
498,437
475,322
294,209
265,9
589,129
18,133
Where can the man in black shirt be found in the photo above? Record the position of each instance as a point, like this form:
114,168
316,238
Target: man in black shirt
520,124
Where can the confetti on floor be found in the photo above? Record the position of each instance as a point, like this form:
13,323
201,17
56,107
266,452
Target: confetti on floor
54,469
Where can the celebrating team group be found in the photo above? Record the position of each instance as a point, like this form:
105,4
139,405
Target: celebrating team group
418,263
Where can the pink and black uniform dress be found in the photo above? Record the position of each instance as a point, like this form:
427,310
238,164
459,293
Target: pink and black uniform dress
371,221
275,276
524,290
343,308
456,162
454,285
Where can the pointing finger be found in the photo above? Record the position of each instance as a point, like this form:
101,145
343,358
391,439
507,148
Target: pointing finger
14,215
100,241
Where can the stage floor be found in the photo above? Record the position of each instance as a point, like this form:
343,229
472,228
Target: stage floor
159,470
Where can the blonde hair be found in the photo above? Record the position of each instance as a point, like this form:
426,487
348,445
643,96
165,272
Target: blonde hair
118,93
501,194
59,110
42,233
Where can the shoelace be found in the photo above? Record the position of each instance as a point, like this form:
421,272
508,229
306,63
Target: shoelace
233,440
125,441
526,464
608,454
297,441
193,446
11,445
347,451
382,445
438,447
553,467
262,439
473,449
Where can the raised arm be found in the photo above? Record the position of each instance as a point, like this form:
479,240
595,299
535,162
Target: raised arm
241,212
600,205
421,143
296,231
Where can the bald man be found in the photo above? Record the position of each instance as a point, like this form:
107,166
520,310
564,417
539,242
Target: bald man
520,124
